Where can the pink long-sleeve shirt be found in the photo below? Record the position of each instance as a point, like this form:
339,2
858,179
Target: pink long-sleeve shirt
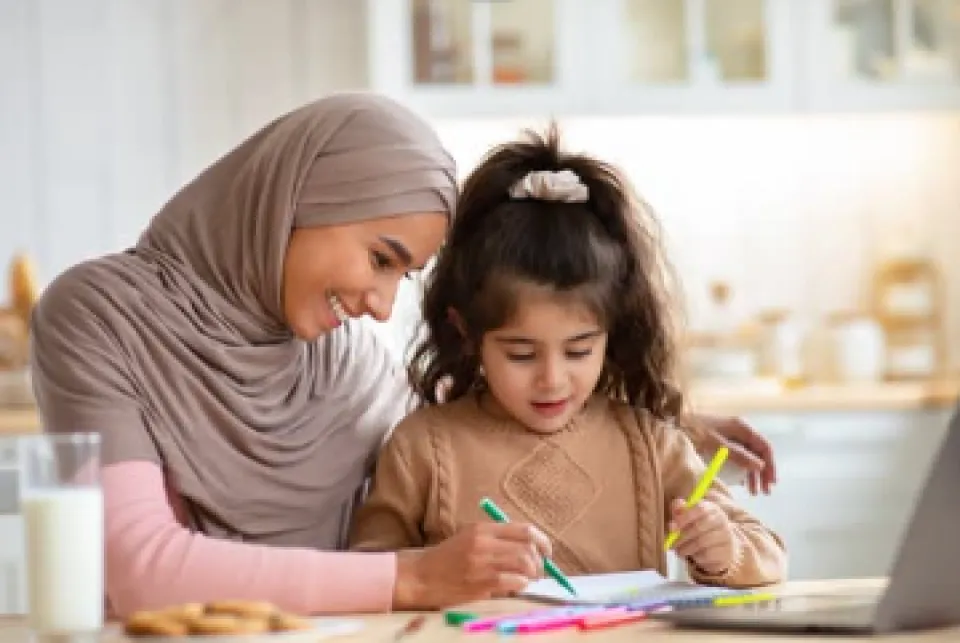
153,560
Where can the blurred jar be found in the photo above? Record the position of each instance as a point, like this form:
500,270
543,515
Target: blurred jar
859,347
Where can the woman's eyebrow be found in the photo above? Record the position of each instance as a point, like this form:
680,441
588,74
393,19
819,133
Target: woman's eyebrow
399,249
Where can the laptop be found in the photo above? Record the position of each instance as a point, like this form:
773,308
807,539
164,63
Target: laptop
923,587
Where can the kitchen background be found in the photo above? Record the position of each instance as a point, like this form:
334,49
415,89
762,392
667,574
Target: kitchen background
802,155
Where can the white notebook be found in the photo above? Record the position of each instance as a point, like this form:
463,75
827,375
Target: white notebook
624,587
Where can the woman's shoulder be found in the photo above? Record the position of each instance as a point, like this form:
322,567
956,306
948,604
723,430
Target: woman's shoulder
89,287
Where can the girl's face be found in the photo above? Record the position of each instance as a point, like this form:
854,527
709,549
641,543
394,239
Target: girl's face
350,270
544,363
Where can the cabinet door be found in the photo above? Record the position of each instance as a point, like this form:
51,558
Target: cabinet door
847,483
12,565
469,57
884,54
12,553
694,55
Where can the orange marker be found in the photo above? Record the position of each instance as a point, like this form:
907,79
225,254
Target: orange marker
610,618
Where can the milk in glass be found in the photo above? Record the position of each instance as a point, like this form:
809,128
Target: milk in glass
62,505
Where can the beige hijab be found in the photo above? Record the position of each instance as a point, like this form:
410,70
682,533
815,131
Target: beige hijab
176,350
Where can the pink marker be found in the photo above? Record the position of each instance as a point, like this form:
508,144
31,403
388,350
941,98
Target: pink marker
490,622
546,624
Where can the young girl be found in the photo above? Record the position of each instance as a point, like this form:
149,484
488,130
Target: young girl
550,333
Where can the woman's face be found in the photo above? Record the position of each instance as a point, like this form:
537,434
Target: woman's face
350,270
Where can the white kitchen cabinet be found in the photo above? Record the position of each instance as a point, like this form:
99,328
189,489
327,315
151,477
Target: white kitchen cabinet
12,552
882,54
463,58
12,565
458,57
690,55
521,57
847,482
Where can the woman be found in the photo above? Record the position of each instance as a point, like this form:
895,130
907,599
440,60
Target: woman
240,401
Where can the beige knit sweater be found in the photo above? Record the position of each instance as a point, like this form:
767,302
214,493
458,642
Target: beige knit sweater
599,488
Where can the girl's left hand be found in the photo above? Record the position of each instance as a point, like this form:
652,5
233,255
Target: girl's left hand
707,536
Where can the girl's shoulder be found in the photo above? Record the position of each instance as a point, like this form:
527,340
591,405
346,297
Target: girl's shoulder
640,419
426,418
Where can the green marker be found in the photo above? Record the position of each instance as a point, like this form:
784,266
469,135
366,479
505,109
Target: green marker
459,618
492,510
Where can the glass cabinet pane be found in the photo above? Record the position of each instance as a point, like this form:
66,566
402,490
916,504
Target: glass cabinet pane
737,39
464,42
896,40
935,41
522,41
442,42
863,40
670,41
656,40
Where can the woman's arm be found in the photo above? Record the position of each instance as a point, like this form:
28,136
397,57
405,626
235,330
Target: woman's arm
153,560
748,449
83,381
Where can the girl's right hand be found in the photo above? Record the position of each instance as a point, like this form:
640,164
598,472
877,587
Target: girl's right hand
485,560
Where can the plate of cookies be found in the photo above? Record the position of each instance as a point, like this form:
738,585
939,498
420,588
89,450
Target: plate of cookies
231,619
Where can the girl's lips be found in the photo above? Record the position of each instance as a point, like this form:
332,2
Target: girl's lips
549,409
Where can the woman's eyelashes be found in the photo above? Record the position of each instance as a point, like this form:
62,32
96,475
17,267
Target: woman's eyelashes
382,262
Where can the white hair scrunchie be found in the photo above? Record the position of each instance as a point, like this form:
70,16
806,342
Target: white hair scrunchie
545,185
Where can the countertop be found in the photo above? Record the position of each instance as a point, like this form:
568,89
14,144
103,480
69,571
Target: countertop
771,396
386,627
734,399
18,419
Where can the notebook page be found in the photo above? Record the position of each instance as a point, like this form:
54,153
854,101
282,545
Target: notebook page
622,587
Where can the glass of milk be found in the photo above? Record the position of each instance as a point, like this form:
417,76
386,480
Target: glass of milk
62,505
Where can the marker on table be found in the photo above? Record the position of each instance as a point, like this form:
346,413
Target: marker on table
744,599
610,618
701,490
492,510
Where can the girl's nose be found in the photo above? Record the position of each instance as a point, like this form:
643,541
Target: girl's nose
551,373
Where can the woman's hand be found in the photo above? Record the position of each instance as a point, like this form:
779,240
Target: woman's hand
748,449
707,536
485,560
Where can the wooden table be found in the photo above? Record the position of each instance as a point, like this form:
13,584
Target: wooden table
384,627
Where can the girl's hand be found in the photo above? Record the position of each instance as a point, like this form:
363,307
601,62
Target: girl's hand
707,536
485,560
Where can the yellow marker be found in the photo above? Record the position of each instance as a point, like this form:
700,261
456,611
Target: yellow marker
701,490
743,599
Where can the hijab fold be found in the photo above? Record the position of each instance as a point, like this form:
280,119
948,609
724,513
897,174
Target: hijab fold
176,351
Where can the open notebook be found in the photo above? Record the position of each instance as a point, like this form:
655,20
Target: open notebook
625,587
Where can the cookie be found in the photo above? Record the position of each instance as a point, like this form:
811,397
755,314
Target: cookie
153,624
283,622
244,609
216,624
186,612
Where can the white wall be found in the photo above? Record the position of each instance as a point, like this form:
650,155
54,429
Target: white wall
792,211
108,106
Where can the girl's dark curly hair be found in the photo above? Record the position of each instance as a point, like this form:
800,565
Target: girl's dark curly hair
605,253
